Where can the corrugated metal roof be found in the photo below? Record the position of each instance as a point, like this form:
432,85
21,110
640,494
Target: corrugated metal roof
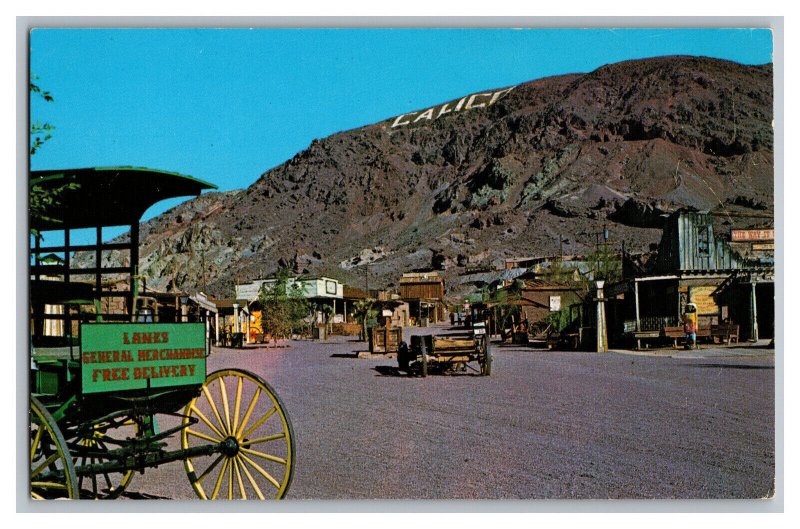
489,278
421,277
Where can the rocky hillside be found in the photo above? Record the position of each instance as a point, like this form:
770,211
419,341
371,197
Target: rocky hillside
518,171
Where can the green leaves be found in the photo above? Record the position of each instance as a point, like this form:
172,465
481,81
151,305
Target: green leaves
40,131
364,310
283,306
43,203
35,89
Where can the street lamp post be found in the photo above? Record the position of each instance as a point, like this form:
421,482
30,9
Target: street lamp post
602,335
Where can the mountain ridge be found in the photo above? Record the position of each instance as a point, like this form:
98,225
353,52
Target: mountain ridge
539,170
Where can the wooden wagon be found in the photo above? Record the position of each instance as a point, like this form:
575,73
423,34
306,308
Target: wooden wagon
110,387
445,352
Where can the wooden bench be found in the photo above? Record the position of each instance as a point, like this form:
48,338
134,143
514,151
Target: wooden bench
674,333
727,332
677,332
643,335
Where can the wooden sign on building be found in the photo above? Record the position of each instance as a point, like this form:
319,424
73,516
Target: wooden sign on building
752,235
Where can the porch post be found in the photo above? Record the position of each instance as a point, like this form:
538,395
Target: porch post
636,302
754,312
208,327
602,336
247,326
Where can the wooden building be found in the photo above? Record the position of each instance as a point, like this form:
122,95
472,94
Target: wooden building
695,265
541,298
424,293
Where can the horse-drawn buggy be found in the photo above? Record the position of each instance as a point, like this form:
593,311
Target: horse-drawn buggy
116,389
447,352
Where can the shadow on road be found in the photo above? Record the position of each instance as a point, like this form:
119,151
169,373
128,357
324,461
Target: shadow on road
389,371
344,355
526,346
730,366
142,496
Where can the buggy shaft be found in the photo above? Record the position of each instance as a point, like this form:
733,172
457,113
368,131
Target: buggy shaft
147,460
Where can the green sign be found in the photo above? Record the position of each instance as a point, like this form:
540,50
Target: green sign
123,356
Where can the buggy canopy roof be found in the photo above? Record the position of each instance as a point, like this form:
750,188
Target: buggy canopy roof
107,196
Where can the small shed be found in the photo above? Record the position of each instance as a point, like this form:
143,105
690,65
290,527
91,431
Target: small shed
542,298
424,293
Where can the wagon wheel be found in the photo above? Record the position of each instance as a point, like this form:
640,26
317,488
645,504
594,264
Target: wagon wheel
486,364
402,356
241,414
486,359
52,472
424,353
91,447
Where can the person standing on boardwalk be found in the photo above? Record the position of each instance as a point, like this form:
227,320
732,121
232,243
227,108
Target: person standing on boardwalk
690,325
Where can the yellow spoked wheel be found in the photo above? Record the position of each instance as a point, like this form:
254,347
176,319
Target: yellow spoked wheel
241,414
91,447
52,472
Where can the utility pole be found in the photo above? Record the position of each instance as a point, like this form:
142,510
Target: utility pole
203,265
366,278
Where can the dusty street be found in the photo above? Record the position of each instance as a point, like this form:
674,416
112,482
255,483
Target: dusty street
544,425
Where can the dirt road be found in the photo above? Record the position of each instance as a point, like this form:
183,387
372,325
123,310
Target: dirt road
544,425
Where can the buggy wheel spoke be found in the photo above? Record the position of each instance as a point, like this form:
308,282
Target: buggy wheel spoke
208,470
49,485
214,409
208,423
237,406
224,393
37,439
202,436
230,478
259,422
249,411
47,462
252,481
261,471
218,484
109,484
251,442
268,457
239,478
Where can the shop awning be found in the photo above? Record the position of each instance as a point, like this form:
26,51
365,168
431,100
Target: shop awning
107,196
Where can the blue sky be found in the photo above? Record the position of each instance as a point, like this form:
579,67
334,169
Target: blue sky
225,105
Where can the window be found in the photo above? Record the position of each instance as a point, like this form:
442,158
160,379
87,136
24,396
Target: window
703,240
